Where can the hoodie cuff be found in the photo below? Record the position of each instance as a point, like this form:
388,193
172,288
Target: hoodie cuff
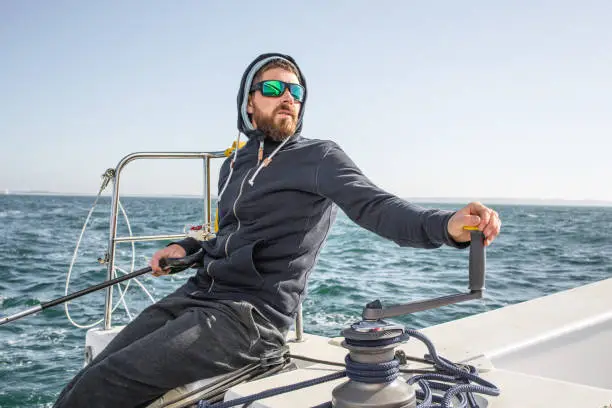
189,244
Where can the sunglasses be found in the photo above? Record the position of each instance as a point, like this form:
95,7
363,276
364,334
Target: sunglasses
276,88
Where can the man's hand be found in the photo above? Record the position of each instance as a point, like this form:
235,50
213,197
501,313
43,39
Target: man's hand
172,251
474,215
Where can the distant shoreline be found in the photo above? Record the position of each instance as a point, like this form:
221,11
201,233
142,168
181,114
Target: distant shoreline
431,200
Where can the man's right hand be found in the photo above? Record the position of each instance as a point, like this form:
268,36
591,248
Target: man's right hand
172,251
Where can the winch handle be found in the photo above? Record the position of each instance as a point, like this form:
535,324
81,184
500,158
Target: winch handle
477,259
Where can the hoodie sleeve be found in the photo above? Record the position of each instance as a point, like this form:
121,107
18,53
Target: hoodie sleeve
378,211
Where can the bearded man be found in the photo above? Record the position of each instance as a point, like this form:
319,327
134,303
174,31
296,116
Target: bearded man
278,197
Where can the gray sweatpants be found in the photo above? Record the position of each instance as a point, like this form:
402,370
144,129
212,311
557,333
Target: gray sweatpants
173,342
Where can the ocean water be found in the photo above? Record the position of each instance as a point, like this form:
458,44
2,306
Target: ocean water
541,250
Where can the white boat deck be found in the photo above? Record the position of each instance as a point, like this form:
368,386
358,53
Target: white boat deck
549,351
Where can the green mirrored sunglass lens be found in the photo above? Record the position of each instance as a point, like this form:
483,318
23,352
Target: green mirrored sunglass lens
297,92
272,88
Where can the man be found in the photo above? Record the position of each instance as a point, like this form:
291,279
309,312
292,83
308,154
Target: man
276,206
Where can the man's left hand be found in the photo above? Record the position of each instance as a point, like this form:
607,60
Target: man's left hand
474,215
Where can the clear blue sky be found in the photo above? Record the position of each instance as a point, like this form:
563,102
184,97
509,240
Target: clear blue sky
436,99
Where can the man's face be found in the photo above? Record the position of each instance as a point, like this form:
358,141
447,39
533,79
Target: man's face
275,116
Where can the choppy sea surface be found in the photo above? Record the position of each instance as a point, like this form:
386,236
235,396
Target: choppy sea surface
541,250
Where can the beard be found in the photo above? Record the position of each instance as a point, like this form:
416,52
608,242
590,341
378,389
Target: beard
277,128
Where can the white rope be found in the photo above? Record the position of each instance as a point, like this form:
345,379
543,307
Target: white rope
127,221
140,284
89,326
74,255
114,273
122,297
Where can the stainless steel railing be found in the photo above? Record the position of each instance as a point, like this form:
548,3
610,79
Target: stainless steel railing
114,239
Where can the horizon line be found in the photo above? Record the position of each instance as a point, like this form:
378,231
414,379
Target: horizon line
428,199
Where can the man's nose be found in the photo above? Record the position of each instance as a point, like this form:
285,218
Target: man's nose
287,97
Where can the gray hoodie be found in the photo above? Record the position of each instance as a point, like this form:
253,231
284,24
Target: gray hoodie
272,227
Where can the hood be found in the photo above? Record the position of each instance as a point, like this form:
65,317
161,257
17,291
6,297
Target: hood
244,124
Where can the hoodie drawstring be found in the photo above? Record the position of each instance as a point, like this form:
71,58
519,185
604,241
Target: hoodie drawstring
267,160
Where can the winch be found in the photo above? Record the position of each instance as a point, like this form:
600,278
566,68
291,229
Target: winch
373,370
